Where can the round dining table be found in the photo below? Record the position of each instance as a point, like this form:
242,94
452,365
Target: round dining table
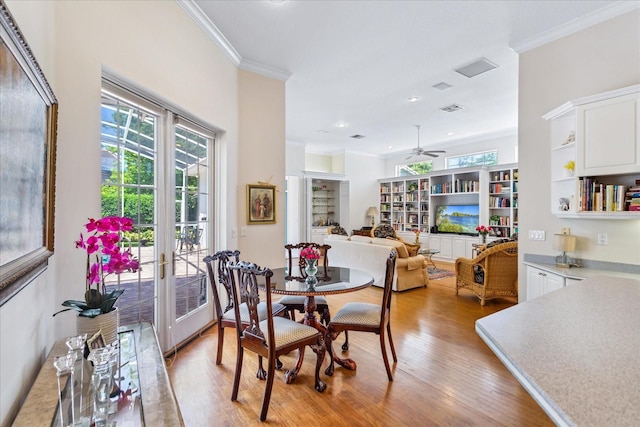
337,280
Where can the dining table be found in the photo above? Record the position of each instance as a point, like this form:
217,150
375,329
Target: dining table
336,280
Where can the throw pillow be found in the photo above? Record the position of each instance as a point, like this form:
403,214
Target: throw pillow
399,246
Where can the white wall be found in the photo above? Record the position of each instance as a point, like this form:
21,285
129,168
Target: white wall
598,59
363,172
160,49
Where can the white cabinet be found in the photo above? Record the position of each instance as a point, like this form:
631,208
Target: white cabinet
540,282
607,136
451,247
600,135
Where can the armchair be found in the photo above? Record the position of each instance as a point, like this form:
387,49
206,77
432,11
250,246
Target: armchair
491,274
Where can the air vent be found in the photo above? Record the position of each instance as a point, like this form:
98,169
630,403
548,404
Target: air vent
442,86
452,108
357,136
478,67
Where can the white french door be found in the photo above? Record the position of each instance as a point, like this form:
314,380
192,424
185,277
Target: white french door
156,169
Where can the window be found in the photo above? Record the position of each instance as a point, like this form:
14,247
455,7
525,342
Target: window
486,158
414,168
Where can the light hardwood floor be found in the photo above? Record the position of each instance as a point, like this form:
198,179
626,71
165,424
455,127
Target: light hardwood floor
445,375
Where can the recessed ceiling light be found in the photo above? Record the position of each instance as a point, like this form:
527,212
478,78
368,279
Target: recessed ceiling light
414,99
390,147
341,125
450,133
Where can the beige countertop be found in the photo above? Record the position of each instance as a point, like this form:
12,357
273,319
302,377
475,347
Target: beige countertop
575,350
581,273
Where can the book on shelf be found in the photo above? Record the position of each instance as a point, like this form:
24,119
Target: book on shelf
594,196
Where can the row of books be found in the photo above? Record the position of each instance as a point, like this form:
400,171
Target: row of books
596,197
632,199
499,202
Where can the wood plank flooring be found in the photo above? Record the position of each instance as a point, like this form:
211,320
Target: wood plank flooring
445,375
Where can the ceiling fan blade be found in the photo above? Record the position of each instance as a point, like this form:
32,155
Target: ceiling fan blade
409,157
430,154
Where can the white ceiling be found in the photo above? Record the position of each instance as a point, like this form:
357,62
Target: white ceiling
358,62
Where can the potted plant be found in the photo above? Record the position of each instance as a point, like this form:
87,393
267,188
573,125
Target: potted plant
105,256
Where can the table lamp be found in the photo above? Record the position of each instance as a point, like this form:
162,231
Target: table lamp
373,213
565,243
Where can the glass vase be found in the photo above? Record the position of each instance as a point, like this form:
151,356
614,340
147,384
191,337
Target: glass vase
311,269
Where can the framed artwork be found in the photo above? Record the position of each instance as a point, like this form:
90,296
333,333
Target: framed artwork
28,120
261,204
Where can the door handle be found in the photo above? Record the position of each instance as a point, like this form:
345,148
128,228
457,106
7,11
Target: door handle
162,264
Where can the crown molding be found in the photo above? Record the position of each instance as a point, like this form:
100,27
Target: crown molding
604,14
203,21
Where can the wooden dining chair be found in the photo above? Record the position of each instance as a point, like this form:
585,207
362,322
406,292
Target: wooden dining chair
272,336
368,317
226,318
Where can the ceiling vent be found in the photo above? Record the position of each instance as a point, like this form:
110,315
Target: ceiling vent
452,108
442,86
357,136
478,67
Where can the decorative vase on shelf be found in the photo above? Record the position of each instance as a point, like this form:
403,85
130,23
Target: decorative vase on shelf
311,269
483,239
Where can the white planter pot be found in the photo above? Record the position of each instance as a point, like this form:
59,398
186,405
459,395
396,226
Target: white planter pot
106,323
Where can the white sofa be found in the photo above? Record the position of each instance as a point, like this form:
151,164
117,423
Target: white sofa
370,255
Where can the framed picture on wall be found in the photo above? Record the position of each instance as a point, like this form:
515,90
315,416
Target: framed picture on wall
28,119
261,204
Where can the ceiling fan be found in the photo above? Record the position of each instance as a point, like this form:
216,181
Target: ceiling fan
421,151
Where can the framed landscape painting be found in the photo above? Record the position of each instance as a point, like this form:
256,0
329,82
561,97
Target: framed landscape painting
27,161
261,204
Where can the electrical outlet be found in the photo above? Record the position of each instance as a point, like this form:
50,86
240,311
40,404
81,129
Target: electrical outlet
243,231
234,233
602,238
565,230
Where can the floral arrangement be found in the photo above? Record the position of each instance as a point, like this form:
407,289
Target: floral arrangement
310,253
417,232
102,245
483,230
570,165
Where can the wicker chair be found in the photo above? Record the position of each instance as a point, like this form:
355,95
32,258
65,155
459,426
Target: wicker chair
491,274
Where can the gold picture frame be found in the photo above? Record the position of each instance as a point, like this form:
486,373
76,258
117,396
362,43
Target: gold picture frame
28,121
261,204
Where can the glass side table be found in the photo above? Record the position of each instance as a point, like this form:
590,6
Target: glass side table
428,253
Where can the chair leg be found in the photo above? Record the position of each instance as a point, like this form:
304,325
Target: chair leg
383,348
268,387
329,339
345,346
278,364
236,378
320,386
393,348
261,374
220,344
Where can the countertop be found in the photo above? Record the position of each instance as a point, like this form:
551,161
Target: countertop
575,350
581,273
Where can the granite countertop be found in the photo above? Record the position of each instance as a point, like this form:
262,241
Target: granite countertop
575,350
582,272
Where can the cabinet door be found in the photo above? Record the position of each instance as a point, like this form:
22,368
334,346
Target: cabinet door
553,282
459,247
607,137
535,282
540,282
446,247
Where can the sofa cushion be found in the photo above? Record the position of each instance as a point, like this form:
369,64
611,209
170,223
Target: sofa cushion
398,245
363,239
